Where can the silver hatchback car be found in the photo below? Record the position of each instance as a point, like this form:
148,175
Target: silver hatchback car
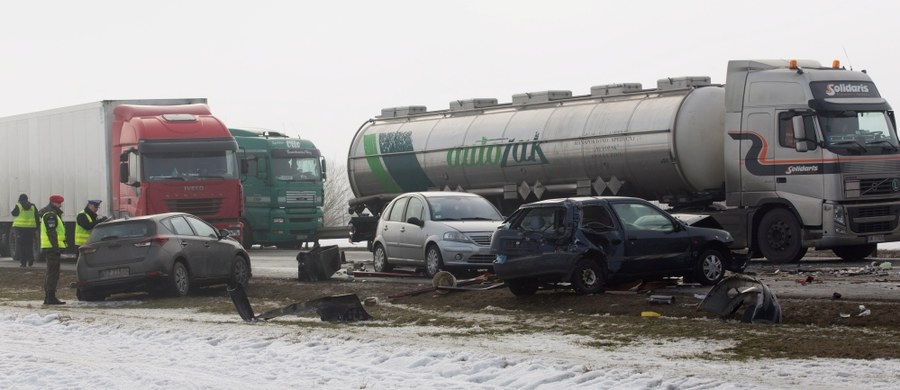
436,231
170,252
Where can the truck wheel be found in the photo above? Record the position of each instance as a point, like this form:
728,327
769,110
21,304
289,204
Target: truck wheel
778,236
379,257
522,287
247,235
854,252
434,262
179,280
588,277
710,267
240,271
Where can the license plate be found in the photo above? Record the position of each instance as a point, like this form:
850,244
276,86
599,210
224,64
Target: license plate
114,272
875,238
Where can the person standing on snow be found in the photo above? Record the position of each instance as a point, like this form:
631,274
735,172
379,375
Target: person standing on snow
24,227
53,241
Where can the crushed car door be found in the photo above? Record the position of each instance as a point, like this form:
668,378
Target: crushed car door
654,242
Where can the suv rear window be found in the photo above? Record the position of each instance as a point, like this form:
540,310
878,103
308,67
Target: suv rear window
128,229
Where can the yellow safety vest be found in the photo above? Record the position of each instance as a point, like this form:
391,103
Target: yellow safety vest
82,234
60,233
25,219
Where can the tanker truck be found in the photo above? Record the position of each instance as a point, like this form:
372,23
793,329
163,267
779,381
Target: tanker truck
786,155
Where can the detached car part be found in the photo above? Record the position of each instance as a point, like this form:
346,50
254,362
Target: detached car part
337,308
733,292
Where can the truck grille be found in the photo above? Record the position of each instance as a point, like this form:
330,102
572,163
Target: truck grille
483,239
873,219
300,197
200,207
871,187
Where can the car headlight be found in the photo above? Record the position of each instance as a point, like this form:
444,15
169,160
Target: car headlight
455,236
839,216
278,220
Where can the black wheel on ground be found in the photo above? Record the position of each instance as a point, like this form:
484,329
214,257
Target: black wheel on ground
89,295
710,267
246,235
778,236
240,271
380,260
179,280
854,252
434,262
588,277
522,287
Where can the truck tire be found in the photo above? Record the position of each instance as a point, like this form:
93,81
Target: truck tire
380,260
588,277
778,236
522,287
710,267
854,252
247,235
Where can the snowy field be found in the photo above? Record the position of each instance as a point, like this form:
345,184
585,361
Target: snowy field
92,346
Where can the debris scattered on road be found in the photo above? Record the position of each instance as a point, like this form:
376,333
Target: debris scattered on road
319,263
845,315
836,295
650,314
804,281
727,297
863,311
661,299
337,308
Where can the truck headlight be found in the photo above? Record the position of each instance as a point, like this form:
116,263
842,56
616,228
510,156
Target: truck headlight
278,220
455,236
839,216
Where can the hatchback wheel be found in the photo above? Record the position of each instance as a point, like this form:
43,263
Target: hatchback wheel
710,267
89,295
179,280
379,257
240,271
588,277
522,287
434,263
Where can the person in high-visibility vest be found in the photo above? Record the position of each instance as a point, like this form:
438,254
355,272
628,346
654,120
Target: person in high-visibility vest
53,241
25,226
85,222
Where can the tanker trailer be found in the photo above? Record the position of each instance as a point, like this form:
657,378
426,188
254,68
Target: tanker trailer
762,156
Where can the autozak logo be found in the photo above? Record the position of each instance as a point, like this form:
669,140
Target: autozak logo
490,152
801,169
846,89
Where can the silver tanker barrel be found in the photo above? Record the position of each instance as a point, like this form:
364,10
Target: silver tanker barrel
619,140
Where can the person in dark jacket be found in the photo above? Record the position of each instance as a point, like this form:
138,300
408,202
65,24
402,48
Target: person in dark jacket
53,241
25,226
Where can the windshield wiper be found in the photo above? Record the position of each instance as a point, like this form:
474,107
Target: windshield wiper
864,150
883,141
210,177
476,219
168,178
446,219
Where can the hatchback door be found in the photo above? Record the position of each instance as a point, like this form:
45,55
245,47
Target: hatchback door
412,236
217,255
192,246
654,242
392,227
114,249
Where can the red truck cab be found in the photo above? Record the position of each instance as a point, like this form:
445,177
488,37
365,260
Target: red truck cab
175,158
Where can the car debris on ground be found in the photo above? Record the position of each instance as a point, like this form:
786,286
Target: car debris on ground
336,308
739,290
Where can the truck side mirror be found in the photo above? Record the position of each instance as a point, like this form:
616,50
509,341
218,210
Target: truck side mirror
324,174
799,134
123,170
245,167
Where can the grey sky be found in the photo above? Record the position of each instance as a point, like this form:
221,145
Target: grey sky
319,69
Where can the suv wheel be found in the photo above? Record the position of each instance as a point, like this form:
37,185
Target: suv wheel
588,277
179,280
379,257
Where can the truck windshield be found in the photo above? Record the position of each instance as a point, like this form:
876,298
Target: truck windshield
296,169
212,165
858,132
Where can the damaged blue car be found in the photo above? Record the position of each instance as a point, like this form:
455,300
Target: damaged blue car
586,242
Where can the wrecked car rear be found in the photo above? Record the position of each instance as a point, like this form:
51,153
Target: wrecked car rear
586,242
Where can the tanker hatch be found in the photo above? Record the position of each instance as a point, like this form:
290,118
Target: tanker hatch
540,97
394,112
471,104
615,89
682,82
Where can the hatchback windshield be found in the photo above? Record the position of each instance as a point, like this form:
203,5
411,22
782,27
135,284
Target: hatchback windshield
128,229
459,208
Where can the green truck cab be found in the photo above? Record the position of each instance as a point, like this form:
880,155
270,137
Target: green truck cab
283,180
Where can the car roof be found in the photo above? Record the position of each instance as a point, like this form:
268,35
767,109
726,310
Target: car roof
151,217
437,194
583,200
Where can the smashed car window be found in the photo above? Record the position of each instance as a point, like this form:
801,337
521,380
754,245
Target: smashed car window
596,219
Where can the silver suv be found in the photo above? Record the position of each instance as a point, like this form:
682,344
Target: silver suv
436,231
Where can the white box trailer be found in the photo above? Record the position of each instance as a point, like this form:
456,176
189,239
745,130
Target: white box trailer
63,151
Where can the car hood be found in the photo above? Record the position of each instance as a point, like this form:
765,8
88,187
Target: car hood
472,226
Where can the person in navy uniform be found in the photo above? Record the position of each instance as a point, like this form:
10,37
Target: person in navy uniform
53,241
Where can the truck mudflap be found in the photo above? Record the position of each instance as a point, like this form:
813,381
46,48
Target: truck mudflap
733,292
336,308
319,263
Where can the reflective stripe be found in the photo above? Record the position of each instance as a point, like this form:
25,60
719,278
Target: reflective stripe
60,233
82,234
25,219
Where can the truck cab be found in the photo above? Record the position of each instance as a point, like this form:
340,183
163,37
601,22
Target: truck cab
283,180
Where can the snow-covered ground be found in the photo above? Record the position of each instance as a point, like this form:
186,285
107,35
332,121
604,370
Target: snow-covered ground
95,346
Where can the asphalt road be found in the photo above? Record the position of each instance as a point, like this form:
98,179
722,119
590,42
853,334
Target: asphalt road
782,279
